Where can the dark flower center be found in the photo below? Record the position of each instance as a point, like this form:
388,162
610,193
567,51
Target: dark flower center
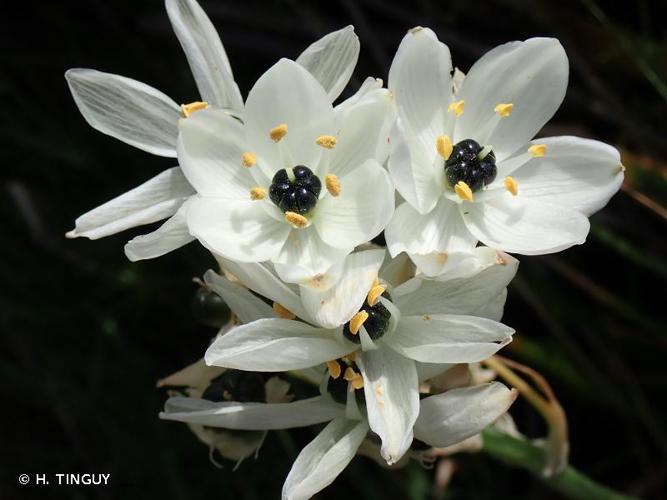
377,323
465,164
236,385
300,195
338,387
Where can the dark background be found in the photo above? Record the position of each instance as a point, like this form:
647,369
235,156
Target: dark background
86,334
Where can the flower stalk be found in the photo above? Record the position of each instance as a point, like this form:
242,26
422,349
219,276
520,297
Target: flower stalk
570,482
557,451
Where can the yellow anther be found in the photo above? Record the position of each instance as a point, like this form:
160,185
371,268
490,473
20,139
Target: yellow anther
282,312
349,374
249,159
326,141
504,109
511,185
464,191
334,368
358,381
457,107
443,144
257,193
332,182
278,132
297,220
374,294
538,150
357,320
188,109
350,357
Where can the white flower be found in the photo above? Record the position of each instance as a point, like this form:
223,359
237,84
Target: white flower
213,384
144,117
537,197
297,183
425,325
444,420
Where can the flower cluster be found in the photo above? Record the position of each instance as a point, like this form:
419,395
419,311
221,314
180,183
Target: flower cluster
289,191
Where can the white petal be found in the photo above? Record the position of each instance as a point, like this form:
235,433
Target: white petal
210,150
251,416
426,371
236,229
494,308
458,414
361,211
259,278
368,87
483,258
169,236
335,306
532,75
392,399
275,345
288,94
397,270
126,109
324,458
579,174
245,305
420,296
331,60
420,79
518,224
442,230
448,338
196,375
436,264
277,390
304,256
152,201
206,55
364,133
417,172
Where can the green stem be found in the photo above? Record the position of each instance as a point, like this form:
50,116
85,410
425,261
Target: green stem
570,482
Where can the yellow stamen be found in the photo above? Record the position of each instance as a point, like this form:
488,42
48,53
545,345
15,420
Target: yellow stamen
349,374
504,109
357,320
511,185
350,357
249,159
358,381
282,312
538,150
188,109
374,294
464,191
297,220
326,141
443,145
457,107
334,369
278,132
257,193
332,182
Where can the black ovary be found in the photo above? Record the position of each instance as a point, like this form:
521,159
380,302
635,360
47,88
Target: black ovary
376,324
464,165
299,196
209,308
236,385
